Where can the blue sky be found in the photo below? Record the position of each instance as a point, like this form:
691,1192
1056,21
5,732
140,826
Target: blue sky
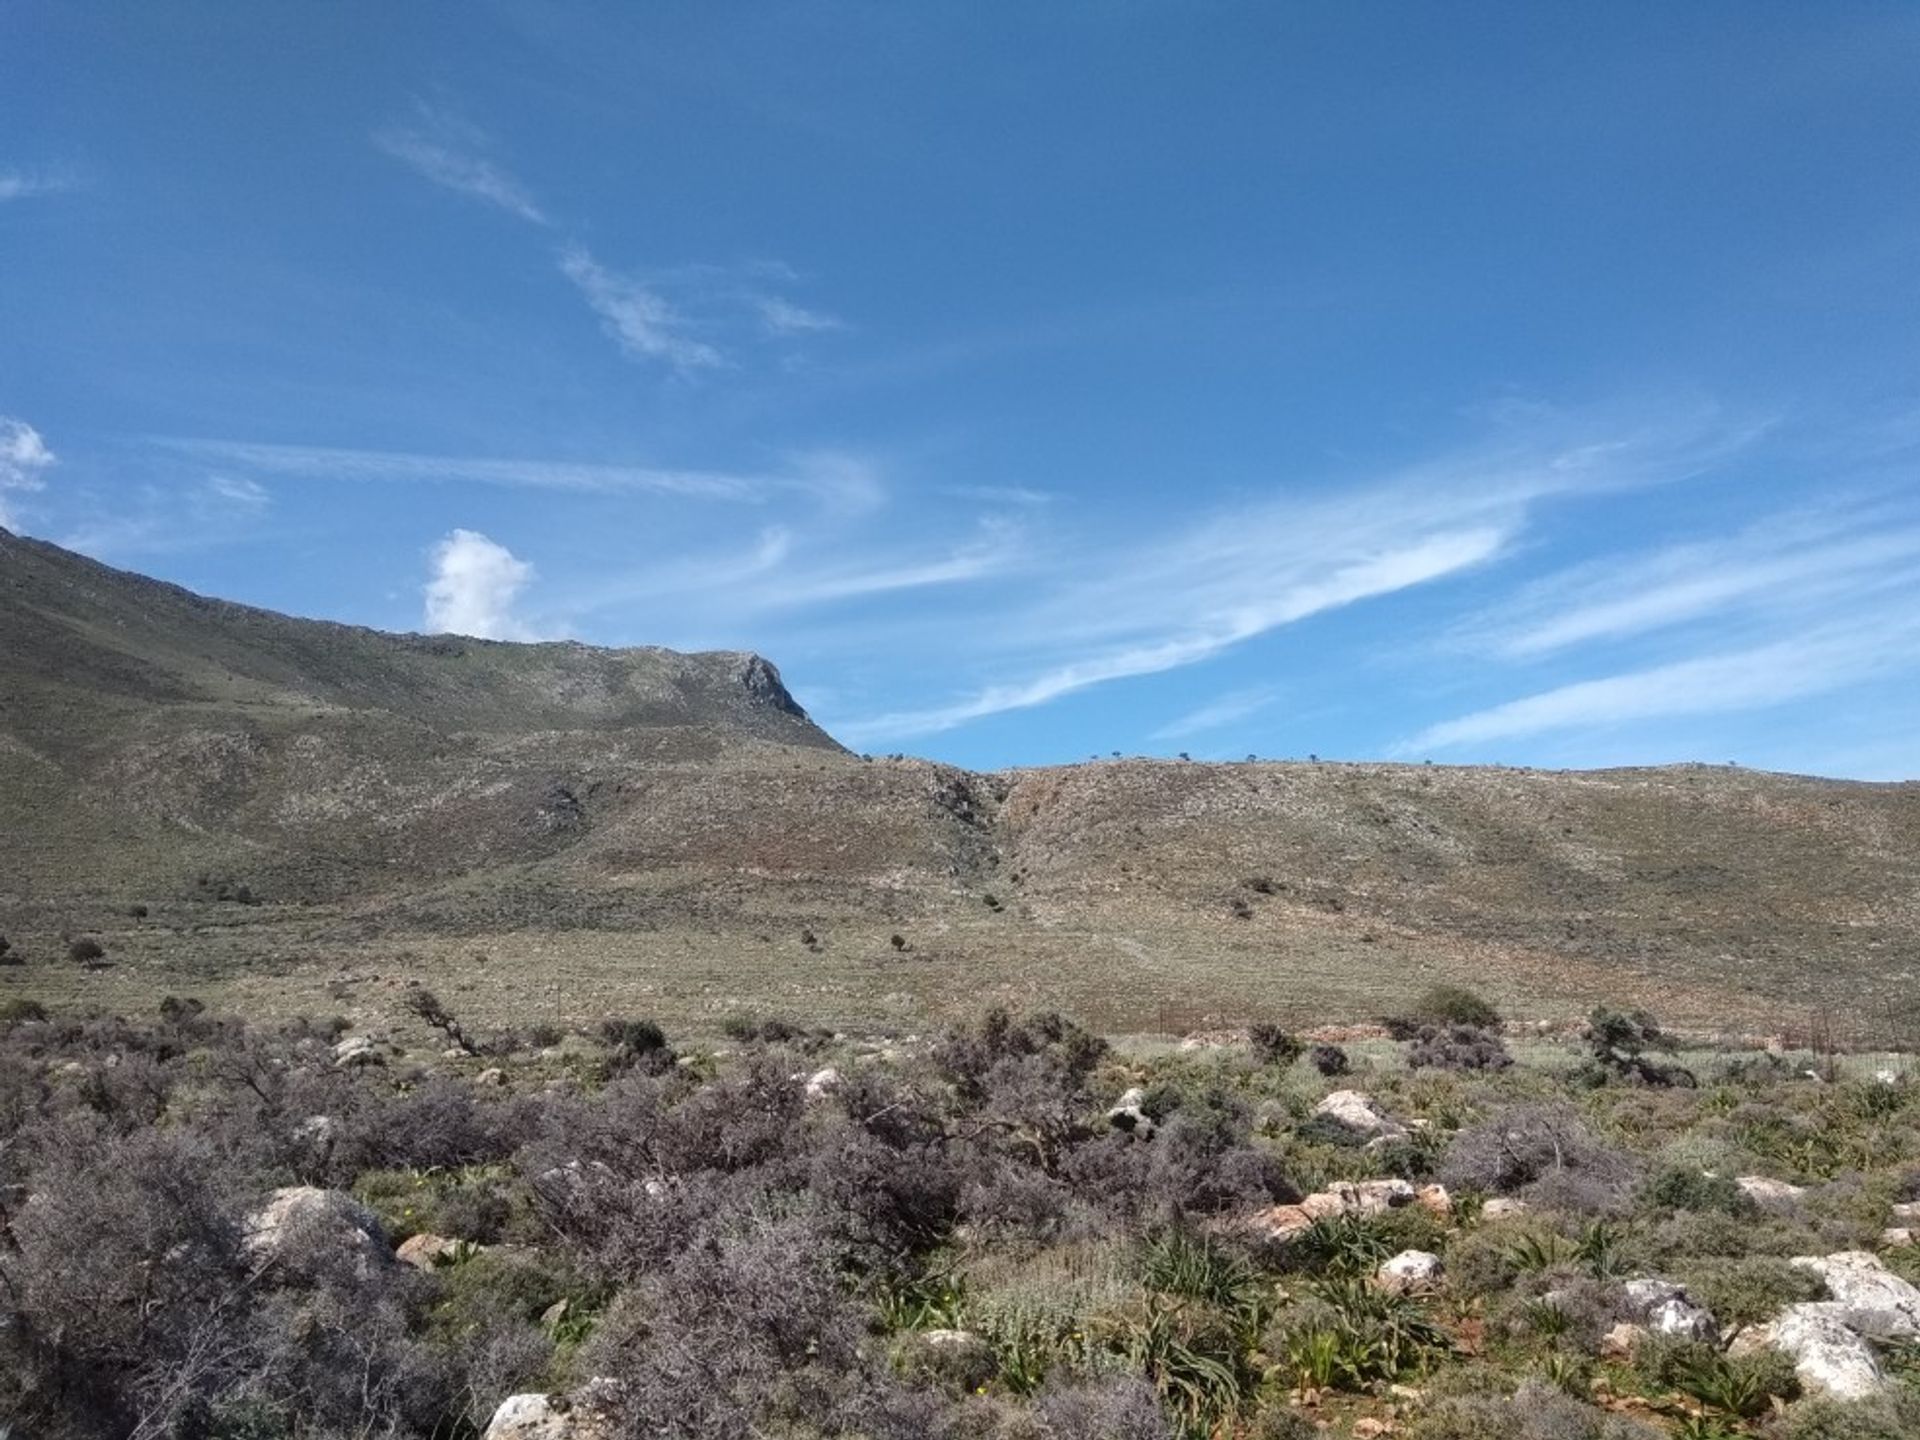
1528,384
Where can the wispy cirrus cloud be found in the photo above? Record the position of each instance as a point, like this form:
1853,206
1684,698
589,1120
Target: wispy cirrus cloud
325,462
1815,663
1802,603
452,153
1254,568
638,317
31,184
783,317
1214,623
1228,709
1807,558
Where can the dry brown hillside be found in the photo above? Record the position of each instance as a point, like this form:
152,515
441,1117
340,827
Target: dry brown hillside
566,830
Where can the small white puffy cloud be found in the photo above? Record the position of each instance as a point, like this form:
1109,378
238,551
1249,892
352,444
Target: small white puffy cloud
24,462
639,319
473,588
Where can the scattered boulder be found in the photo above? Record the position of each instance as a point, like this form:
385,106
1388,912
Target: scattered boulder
360,1050
1907,1213
1666,1309
1770,1194
1435,1200
1129,1115
425,1252
587,1414
304,1224
1867,1297
1343,1197
1503,1207
1896,1237
1622,1340
1409,1271
1358,1115
822,1083
1828,1357
493,1075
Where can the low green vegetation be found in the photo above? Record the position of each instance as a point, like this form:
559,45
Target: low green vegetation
220,1229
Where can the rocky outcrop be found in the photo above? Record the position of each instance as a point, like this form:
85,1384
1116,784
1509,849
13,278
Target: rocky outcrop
1770,1194
428,1252
1359,1116
306,1227
1828,1339
1129,1115
1866,1296
587,1414
1665,1308
1365,1197
358,1051
1829,1358
1409,1272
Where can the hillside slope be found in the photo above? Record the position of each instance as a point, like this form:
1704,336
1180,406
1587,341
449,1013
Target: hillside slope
671,830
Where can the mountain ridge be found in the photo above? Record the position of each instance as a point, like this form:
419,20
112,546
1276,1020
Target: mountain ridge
670,827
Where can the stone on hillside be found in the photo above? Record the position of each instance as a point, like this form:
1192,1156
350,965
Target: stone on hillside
1622,1340
1896,1237
425,1252
1503,1207
1770,1194
492,1075
301,1223
1666,1309
357,1051
1867,1296
1435,1200
1409,1271
1907,1212
1828,1357
1129,1115
584,1415
822,1083
1358,1115
1343,1197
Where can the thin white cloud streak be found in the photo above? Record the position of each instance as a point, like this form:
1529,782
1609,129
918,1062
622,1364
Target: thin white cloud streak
1252,615
639,319
1227,710
1257,568
1811,664
840,483
451,153
473,588
24,463
735,588
31,184
783,317
1789,564
319,462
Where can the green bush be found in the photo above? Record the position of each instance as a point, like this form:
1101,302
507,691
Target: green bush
1682,1187
1455,1005
1751,1290
1889,1417
1275,1046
